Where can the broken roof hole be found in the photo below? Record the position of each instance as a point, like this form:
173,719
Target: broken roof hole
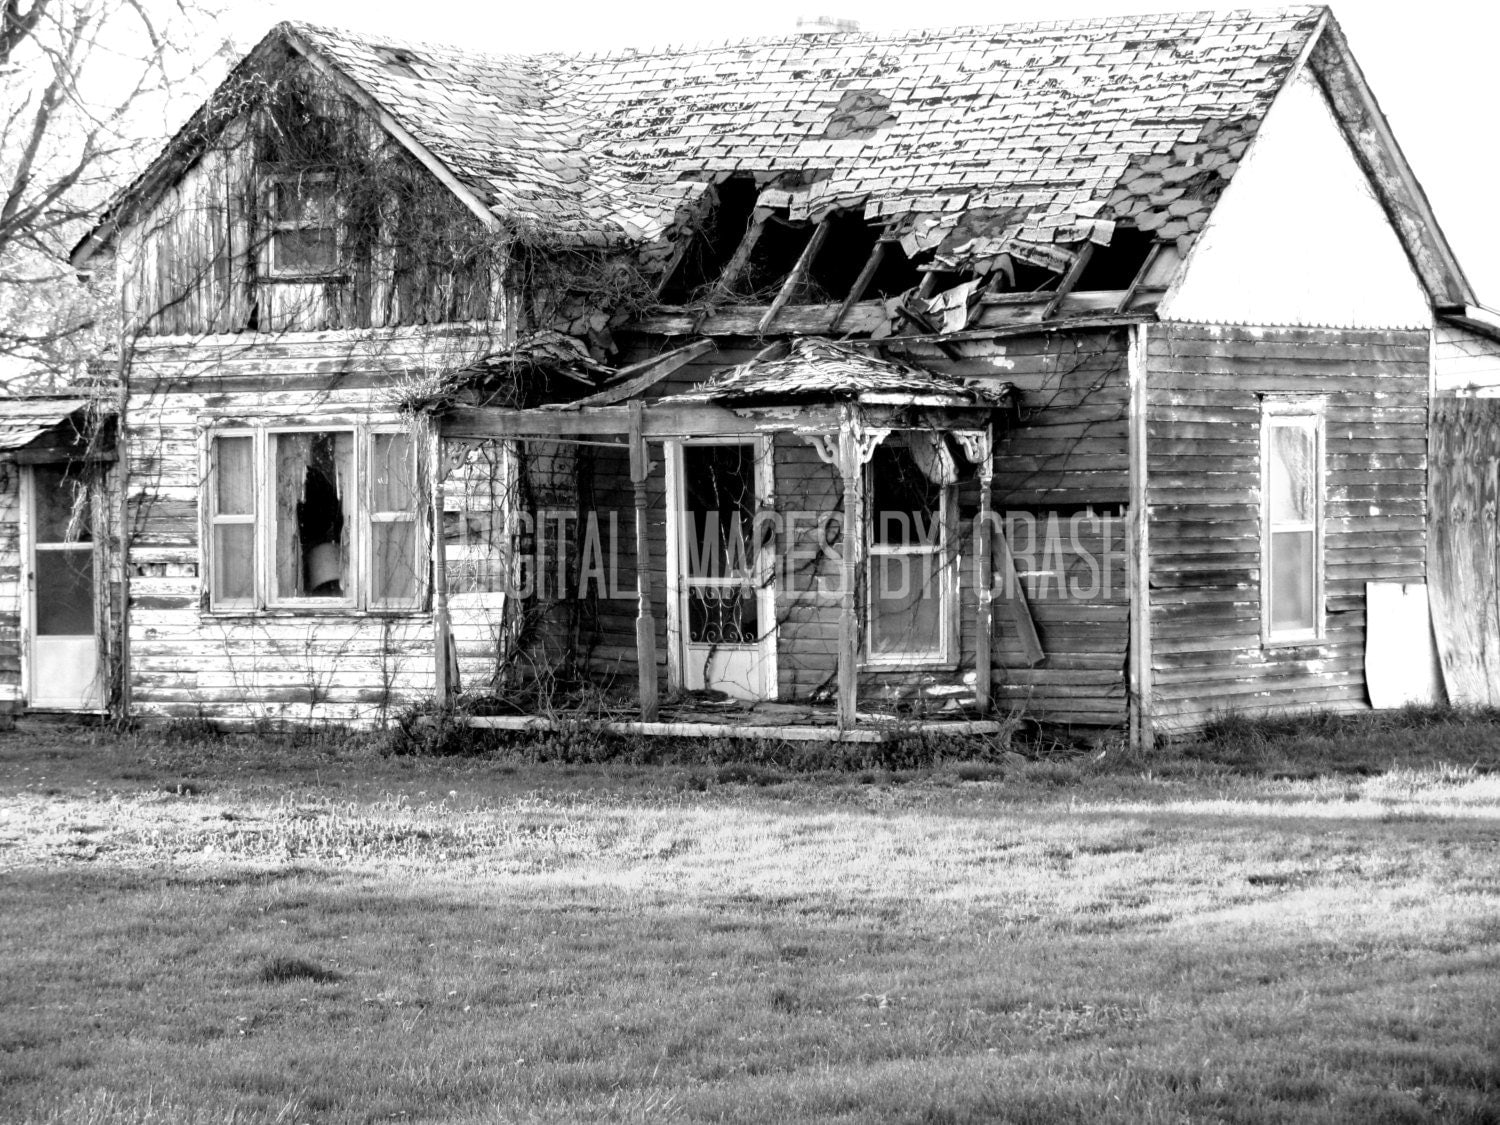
774,255
1115,266
715,240
408,60
849,243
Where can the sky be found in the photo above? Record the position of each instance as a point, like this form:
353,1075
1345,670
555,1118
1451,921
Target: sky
1432,64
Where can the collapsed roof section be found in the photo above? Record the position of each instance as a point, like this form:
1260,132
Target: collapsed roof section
964,164
998,155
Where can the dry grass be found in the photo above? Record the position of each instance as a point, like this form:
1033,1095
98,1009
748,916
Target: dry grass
220,931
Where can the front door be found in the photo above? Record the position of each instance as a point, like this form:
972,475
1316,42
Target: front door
63,658
723,604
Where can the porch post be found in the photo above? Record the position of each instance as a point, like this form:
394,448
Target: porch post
983,532
645,623
851,465
442,687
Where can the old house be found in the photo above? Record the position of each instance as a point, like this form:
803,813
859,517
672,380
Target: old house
1081,368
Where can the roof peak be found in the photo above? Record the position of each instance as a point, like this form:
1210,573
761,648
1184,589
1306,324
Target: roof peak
1297,12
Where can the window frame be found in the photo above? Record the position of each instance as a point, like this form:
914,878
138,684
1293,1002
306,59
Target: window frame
275,227
1307,413
946,654
266,599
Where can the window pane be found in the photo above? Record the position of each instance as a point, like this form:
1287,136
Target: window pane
395,561
1292,581
394,488
904,504
1292,475
65,592
719,485
314,474
234,562
62,505
906,605
309,250
308,202
234,473
722,615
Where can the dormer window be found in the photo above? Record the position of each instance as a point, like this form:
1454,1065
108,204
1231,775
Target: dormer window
303,226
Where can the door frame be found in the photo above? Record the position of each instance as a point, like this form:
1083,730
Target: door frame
27,542
766,584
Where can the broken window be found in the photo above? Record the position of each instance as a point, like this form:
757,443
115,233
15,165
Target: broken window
1291,480
314,514
911,593
303,223
307,536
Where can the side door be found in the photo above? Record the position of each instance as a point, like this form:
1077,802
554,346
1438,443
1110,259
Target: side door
62,653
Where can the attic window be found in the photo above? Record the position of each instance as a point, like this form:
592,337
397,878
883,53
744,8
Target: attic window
303,223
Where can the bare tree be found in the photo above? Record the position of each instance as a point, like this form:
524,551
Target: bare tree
85,86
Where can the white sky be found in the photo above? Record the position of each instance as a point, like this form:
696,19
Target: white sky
1432,65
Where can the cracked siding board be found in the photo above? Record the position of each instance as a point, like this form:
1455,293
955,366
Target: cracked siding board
1204,492
1299,238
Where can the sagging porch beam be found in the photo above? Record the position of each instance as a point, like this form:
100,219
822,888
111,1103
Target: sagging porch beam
640,377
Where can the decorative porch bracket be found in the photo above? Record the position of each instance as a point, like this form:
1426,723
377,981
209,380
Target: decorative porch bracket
978,447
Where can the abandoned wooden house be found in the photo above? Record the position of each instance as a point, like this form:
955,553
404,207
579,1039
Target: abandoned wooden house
834,382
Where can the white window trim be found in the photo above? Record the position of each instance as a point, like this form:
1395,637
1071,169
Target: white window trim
1308,411
275,226
945,549
265,598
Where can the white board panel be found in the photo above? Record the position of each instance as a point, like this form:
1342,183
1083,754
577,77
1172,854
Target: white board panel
1401,659
1298,239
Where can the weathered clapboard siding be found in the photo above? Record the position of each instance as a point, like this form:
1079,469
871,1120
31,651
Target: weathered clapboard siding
199,259
1070,447
335,666
1069,451
1204,492
1464,362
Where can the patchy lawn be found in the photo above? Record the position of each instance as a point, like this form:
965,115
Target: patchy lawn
226,932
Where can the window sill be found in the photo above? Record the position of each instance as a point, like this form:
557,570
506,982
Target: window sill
302,612
908,664
1298,640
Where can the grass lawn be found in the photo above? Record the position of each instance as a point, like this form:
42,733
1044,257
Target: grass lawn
230,932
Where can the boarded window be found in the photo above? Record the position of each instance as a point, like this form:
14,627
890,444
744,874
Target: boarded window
910,592
1292,445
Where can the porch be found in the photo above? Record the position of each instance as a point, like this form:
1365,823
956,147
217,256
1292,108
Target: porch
884,440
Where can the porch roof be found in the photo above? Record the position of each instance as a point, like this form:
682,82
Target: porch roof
824,371
53,426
